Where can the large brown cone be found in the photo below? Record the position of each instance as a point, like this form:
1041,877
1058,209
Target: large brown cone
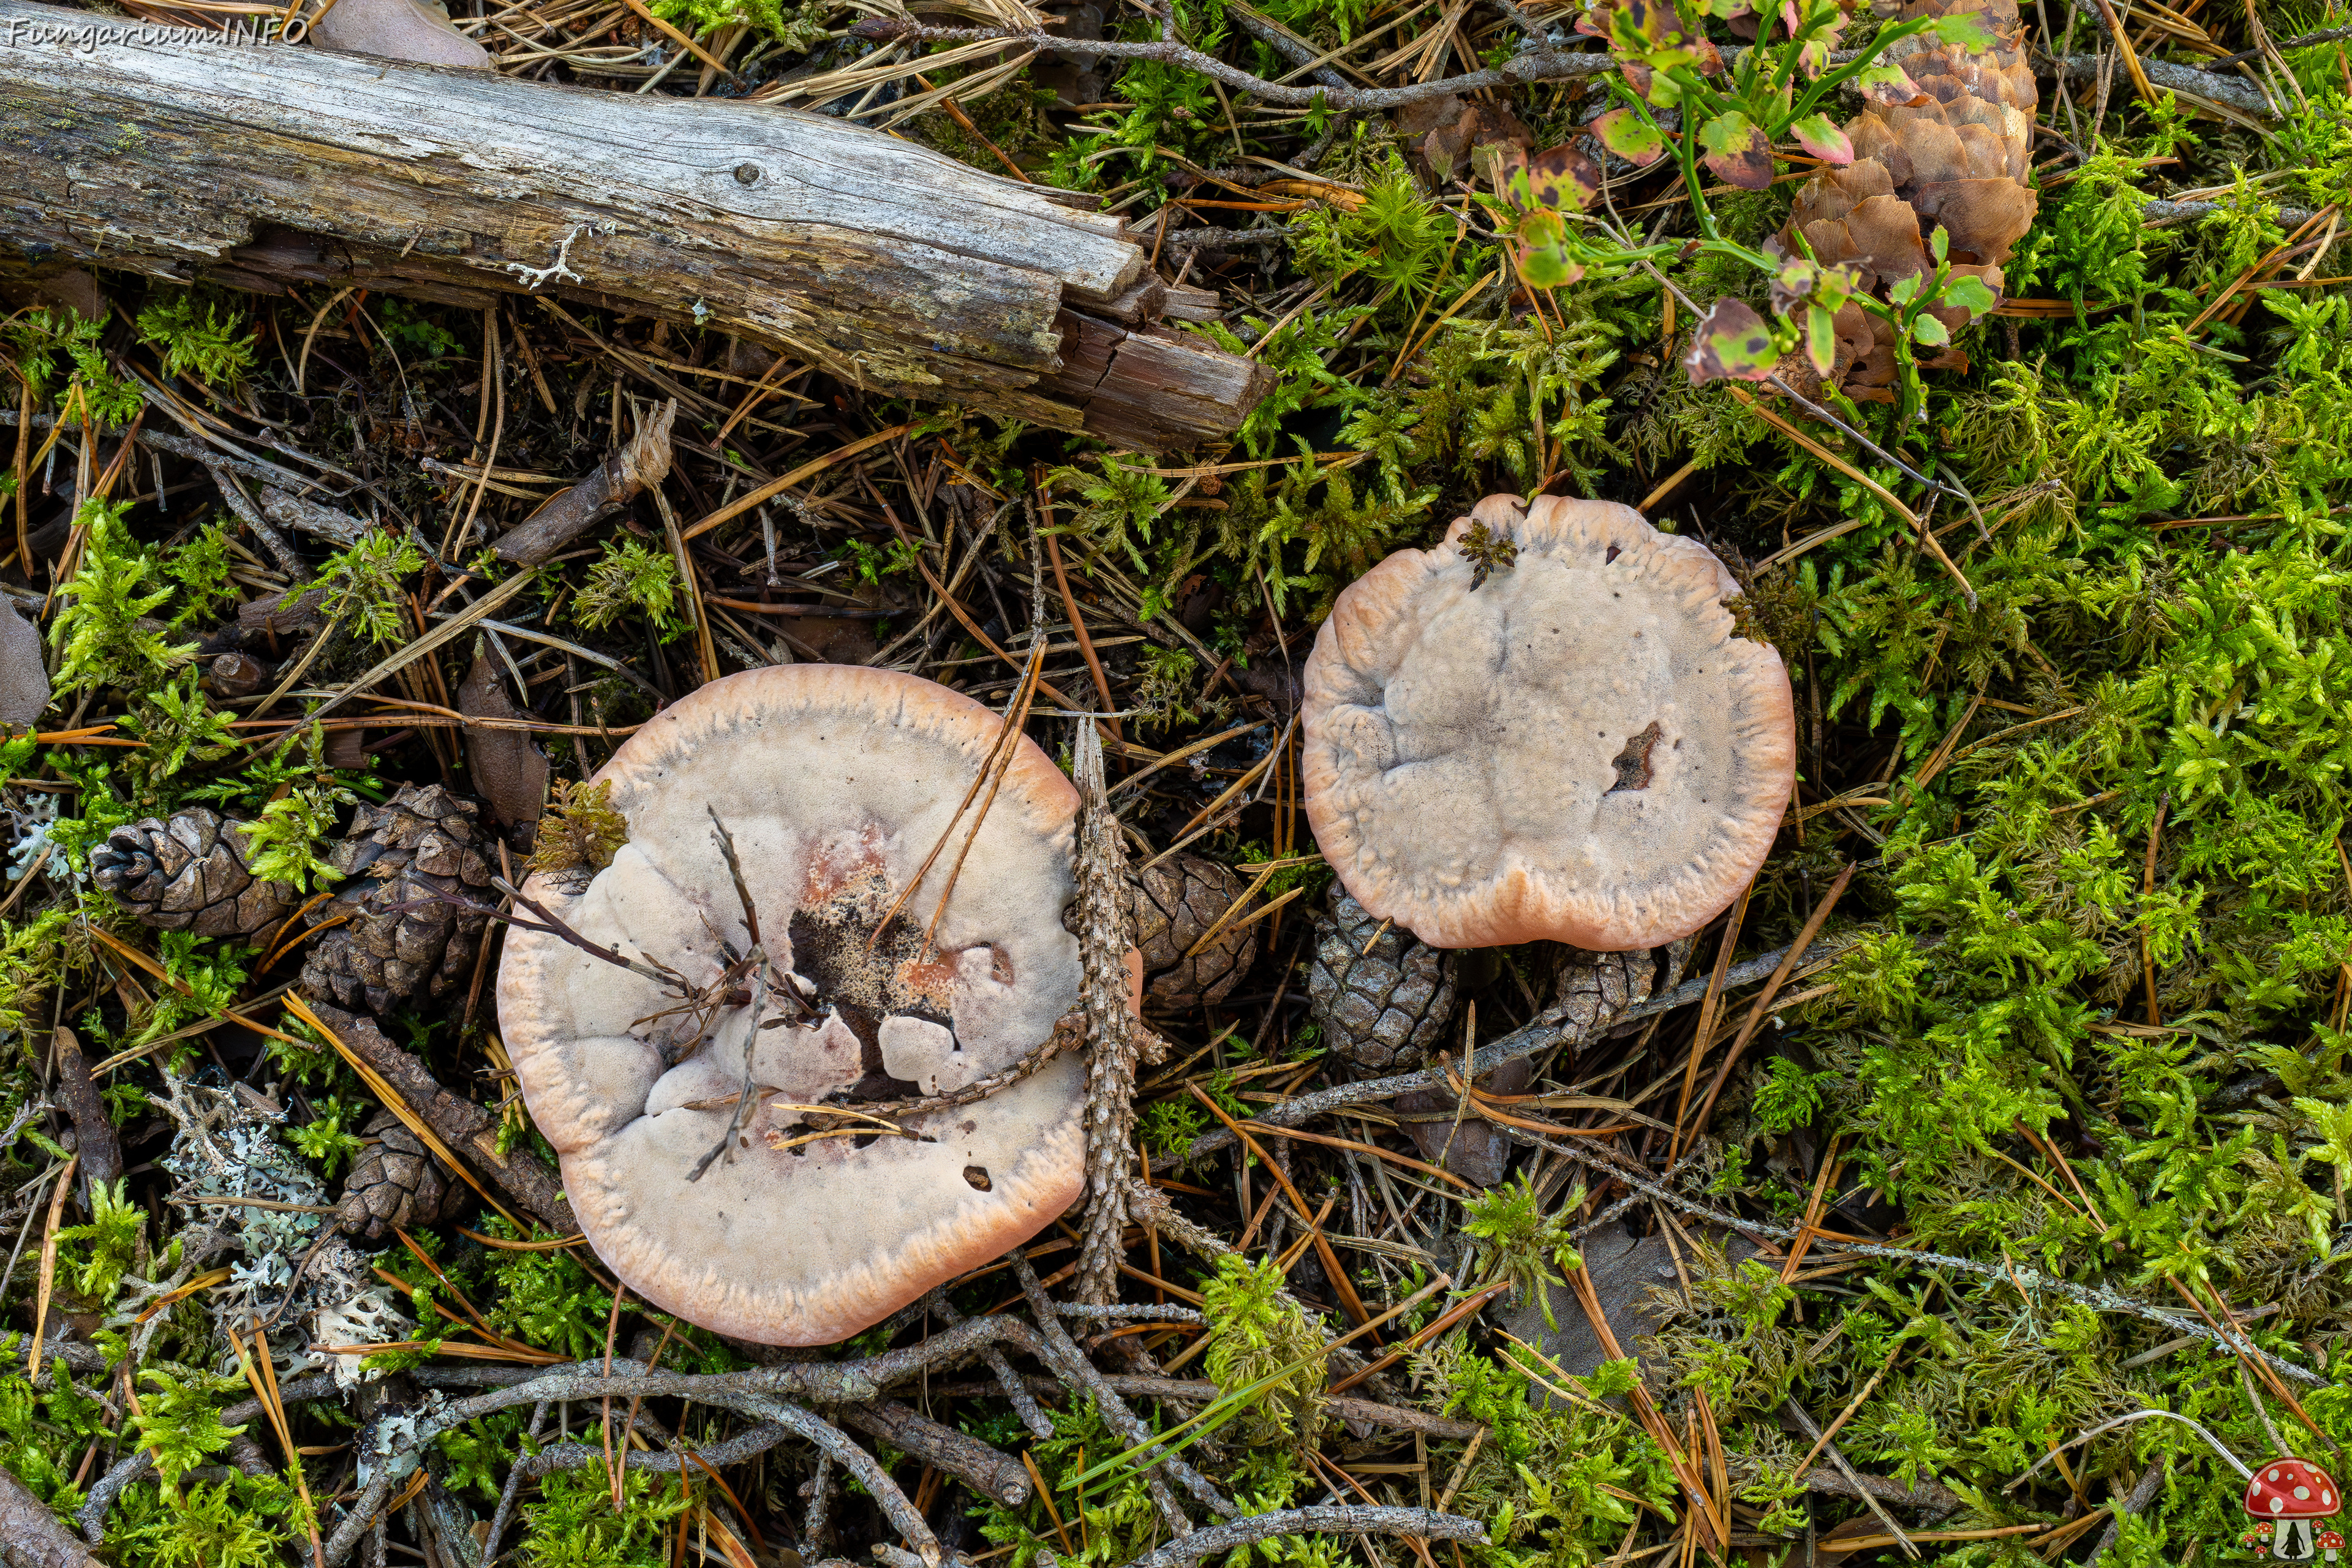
1957,158
402,938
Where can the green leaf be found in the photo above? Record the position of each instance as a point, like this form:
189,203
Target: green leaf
1962,30
1970,294
1931,331
1631,137
1821,338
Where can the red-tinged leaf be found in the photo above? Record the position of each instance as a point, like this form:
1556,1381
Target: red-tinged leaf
1631,137
1731,341
1888,85
1562,179
1821,338
1793,283
1737,151
1824,141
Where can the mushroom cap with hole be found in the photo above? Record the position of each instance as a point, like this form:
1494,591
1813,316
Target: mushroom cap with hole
835,782
1582,748
2291,1488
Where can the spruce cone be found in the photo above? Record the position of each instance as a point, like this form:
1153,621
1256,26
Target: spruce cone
1173,904
189,874
1380,1008
395,1184
401,941
1957,158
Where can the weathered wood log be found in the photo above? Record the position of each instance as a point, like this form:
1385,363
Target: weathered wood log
886,265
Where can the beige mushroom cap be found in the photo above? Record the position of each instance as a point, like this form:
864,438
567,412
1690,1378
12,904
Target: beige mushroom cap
835,782
1583,748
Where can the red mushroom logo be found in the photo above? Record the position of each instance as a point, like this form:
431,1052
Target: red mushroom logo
2289,1494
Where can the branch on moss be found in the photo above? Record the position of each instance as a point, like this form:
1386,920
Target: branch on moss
1329,1519
2187,80
1061,1353
1536,65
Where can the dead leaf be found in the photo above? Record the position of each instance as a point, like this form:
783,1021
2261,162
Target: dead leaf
509,771
24,684
406,30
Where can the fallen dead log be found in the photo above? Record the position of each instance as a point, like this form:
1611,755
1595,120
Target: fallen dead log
886,265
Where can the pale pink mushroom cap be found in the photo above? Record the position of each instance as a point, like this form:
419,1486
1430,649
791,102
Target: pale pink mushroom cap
835,782
1481,767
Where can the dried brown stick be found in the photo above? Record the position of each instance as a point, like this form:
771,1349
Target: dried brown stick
993,1474
617,481
94,1135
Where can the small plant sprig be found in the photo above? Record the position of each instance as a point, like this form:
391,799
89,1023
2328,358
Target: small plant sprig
93,391
213,346
1740,112
581,831
1487,550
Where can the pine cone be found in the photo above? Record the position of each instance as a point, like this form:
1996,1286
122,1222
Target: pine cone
189,874
1957,158
395,1184
1172,905
1382,999
401,941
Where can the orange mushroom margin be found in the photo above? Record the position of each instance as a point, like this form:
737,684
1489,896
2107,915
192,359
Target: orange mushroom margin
835,784
1576,746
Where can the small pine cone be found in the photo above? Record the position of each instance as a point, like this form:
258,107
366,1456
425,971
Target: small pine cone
1382,999
1173,904
401,941
189,874
395,1184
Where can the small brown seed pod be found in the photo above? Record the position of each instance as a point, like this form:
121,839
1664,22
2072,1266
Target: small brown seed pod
1173,905
1381,994
395,1184
189,874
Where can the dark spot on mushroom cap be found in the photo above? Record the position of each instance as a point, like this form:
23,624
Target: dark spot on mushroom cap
1632,763
978,1176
